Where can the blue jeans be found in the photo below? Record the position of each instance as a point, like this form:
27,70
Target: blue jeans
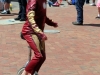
50,3
79,7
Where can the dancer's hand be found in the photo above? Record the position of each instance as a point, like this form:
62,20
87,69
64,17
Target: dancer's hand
42,36
54,24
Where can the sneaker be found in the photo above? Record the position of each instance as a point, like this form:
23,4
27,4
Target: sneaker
69,3
77,23
8,12
5,12
93,4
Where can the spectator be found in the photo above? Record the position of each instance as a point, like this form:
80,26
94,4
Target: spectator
6,7
79,7
93,4
22,10
98,6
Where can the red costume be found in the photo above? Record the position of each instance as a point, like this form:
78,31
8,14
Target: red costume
33,32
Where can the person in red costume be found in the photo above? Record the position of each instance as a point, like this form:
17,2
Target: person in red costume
33,33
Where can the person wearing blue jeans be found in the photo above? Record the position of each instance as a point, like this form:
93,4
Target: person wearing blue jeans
79,7
50,3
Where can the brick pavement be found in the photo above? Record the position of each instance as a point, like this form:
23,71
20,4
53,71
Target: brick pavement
73,51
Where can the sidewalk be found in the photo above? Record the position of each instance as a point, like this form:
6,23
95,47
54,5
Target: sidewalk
73,51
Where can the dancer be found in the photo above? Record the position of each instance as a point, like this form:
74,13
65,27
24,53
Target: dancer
32,31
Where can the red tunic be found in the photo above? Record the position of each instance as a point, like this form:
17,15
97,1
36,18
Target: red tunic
39,7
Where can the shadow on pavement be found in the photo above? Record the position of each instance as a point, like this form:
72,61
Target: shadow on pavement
12,14
96,25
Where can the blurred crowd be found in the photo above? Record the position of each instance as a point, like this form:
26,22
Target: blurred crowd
6,6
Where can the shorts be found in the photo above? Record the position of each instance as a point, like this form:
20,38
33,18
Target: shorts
7,1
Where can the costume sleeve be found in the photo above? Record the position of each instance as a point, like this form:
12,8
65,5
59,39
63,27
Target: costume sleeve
50,22
30,16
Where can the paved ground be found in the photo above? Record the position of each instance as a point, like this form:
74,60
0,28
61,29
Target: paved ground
73,51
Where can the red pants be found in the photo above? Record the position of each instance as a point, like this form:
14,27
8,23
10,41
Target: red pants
39,53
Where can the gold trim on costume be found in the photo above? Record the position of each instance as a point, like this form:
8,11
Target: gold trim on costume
30,16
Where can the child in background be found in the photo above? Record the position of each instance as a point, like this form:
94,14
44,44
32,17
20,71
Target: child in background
98,6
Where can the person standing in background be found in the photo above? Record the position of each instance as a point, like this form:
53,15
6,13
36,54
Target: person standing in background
79,7
22,10
6,7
